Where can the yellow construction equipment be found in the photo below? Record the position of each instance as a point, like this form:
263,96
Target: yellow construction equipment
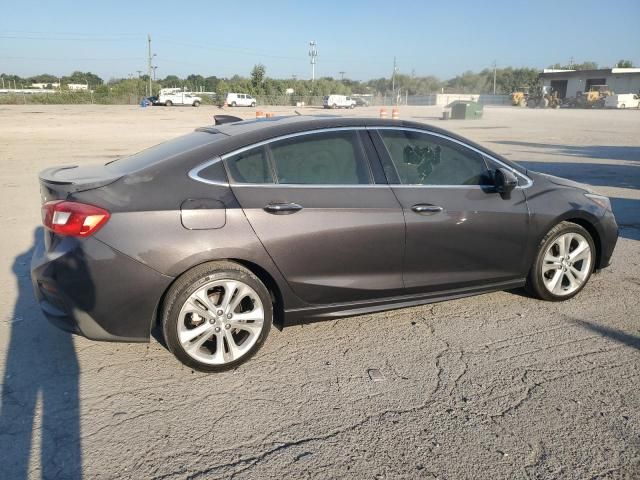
519,97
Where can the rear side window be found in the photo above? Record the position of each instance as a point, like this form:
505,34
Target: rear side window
423,159
331,158
250,166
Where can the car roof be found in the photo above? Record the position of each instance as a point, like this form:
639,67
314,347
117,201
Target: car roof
247,132
284,125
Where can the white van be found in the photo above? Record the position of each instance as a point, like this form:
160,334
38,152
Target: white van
338,101
240,100
177,96
624,100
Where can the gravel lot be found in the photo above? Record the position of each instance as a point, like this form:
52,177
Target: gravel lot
494,386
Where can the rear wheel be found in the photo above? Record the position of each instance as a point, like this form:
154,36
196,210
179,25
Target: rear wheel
623,106
233,104
334,106
168,103
216,316
564,263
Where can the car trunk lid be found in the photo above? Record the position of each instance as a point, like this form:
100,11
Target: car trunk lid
58,183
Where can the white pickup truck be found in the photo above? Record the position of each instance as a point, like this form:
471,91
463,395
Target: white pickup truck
177,96
624,100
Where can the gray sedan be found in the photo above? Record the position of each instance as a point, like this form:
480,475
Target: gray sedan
218,235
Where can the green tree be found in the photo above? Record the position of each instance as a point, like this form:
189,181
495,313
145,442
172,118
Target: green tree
624,64
257,76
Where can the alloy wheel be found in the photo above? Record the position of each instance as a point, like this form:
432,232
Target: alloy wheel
220,322
566,264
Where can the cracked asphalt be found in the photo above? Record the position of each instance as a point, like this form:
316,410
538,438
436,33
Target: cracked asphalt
493,386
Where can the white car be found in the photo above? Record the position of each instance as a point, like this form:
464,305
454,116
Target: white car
240,100
338,101
177,96
625,100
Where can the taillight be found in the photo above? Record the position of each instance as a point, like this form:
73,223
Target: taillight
73,219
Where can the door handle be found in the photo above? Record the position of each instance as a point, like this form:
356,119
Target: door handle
282,208
426,209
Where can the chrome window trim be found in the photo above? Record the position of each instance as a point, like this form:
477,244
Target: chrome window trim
193,173
528,181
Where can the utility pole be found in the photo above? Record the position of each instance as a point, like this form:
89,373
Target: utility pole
149,64
154,72
342,76
494,77
313,53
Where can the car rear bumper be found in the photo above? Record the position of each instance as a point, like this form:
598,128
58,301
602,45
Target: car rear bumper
85,287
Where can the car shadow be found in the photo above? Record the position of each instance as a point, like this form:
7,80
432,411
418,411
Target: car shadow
609,152
597,174
40,391
609,332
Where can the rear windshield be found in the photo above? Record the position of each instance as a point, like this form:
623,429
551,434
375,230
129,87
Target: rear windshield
161,152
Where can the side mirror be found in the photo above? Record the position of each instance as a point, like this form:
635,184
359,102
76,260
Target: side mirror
504,180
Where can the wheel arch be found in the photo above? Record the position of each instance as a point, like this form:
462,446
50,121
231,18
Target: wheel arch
263,275
595,236
586,221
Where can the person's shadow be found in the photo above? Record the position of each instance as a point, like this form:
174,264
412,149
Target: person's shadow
41,368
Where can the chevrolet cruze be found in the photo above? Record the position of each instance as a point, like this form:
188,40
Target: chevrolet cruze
217,235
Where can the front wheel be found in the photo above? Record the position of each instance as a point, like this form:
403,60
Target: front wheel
196,103
563,266
168,103
216,316
253,104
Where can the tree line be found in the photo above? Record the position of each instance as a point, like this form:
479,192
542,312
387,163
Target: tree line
257,83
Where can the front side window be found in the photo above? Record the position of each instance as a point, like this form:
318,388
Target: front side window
423,159
250,166
329,158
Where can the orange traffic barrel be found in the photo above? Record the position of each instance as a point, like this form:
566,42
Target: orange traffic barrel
383,112
259,114
395,114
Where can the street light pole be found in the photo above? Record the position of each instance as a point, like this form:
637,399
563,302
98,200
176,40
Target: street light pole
494,77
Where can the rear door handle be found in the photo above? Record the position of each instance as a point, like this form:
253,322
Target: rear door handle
426,209
282,208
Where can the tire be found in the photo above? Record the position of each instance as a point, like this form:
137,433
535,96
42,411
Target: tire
623,106
334,106
180,322
352,106
233,104
253,104
544,271
196,103
168,103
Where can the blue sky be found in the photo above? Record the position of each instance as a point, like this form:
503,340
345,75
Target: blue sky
358,37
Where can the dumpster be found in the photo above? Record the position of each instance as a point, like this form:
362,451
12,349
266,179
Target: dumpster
461,110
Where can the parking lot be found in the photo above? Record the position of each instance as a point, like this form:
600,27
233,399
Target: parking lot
493,386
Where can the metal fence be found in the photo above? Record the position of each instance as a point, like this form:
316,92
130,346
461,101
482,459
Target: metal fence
110,98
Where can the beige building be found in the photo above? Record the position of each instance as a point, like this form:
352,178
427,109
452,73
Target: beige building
569,82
